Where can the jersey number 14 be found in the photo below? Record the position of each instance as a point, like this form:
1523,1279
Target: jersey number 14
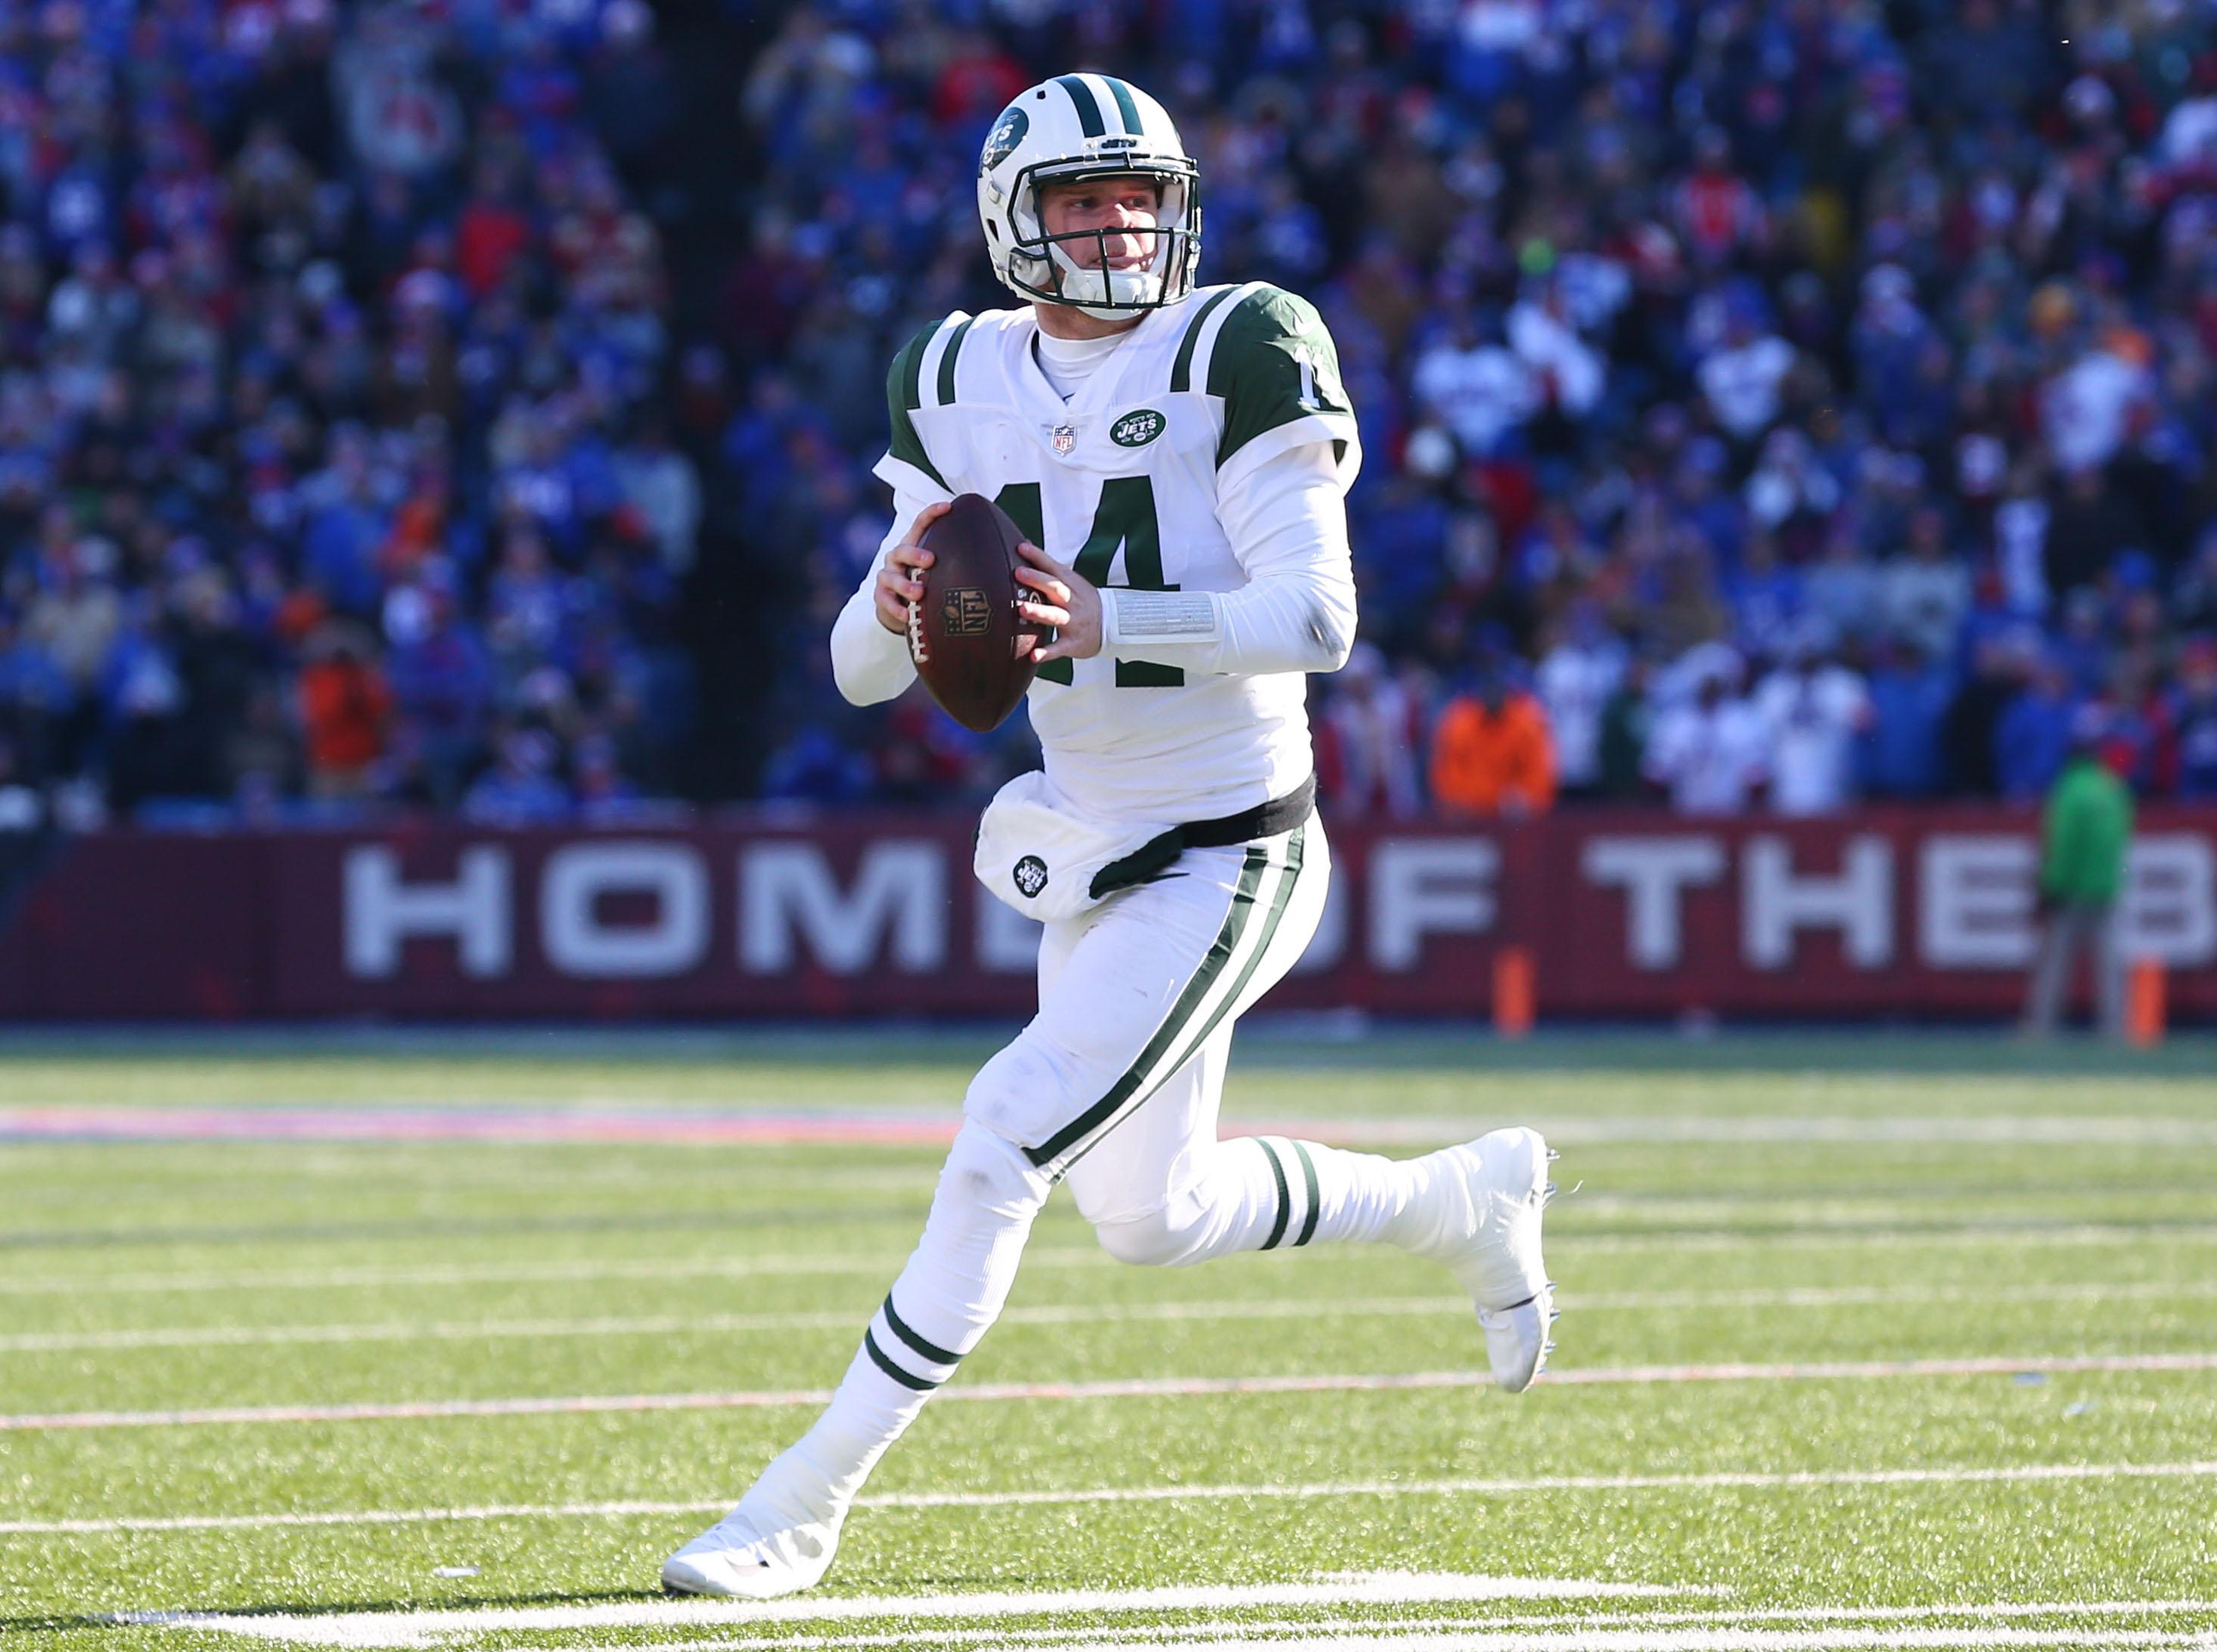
1125,516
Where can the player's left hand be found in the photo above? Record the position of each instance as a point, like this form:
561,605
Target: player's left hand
1065,603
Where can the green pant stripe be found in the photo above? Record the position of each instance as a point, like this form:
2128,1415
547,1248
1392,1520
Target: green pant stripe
1258,858
1308,1176
1285,1196
1181,365
1188,1004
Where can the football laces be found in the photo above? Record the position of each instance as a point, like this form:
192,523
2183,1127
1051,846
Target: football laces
917,650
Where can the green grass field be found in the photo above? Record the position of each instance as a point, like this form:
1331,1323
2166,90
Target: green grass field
1868,1341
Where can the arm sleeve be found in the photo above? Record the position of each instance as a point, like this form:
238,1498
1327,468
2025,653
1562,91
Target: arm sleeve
869,663
1288,527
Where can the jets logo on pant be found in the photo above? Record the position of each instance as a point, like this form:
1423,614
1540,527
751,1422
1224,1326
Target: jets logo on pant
1031,873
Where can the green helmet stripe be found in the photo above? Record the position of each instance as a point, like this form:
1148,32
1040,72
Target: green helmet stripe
1089,106
1125,106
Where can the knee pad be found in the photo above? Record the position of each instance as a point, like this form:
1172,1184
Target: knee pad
1160,1239
989,1172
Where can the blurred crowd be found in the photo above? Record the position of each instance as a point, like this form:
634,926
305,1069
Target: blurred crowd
1766,404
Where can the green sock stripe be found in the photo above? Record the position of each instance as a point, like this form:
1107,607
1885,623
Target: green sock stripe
922,1385
1125,106
1089,106
1308,1175
1285,1197
930,1351
1182,365
947,363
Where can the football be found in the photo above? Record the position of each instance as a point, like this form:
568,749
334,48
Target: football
963,634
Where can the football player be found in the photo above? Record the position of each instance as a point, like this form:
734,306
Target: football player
1176,458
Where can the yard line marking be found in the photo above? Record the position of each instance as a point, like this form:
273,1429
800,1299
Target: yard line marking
388,1629
2088,1235
1128,1388
601,1122
1698,1640
1789,1480
1813,1296
1514,1633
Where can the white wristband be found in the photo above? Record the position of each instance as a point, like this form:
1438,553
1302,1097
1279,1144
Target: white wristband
1162,618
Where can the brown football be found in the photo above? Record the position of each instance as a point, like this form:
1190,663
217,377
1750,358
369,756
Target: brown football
963,634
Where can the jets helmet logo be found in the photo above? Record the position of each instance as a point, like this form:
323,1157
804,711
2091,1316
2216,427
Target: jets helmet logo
1031,873
1001,143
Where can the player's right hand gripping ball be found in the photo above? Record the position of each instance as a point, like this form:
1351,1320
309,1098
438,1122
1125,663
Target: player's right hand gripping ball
963,634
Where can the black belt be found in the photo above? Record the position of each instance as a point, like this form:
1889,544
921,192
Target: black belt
1263,820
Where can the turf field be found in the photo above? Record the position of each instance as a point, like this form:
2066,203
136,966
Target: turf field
1870,1341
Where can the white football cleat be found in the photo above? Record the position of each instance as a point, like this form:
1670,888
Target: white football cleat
1483,1201
732,1559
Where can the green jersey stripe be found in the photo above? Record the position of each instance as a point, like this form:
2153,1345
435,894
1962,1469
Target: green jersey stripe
1285,1195
1308,1175
1089,106
903,395
1125,106
1187,1006
1181,367
947,362
930,1351
922,1385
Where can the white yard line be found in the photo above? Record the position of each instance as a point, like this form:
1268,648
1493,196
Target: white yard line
384,1629
1813,1630
1555,1485
1290,1308
1129,1388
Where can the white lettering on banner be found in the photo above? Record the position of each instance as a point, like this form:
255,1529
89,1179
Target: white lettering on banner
1654,874
1975,901
1428,886
1008,941
900,888
1774,903
1329,945
578,943
2170,907
382,912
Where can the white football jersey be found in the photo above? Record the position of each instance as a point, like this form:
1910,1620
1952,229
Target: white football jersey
1122,482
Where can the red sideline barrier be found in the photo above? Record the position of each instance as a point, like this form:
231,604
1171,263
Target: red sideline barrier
1623,913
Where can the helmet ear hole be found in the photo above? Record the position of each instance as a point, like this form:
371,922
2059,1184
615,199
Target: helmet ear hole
993,230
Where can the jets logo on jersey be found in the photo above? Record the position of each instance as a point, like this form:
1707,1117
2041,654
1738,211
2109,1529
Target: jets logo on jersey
1030,876
1137,429
963,612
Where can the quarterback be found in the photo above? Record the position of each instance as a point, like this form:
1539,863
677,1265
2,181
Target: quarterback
1176,457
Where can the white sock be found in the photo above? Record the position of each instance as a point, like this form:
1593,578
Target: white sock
1268,1193
1331,1196
940,1307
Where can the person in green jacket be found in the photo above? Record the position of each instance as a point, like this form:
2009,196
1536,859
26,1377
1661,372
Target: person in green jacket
2086,832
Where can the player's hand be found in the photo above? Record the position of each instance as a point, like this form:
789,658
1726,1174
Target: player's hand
897,585
1065,603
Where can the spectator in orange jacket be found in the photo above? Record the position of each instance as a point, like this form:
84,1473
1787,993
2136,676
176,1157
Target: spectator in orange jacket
345,706
1493,753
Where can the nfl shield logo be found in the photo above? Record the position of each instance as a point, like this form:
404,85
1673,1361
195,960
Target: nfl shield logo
1066,440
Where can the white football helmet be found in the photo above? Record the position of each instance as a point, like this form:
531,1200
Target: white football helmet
1076,126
